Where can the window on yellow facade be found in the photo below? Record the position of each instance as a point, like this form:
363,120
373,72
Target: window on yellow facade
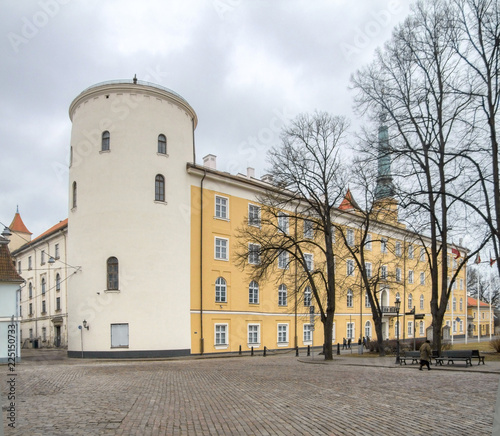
422,255
454,303
398,249
461,304
367,300
421,328
253,254
283,260
410,328
283,222
253,215
383,245
383,272
307,333
309,261
253,292
307,296
282,333
410,301
422,302
410,276
368,329
368,269
308,229
398,274
368,242
221,248
350,298
221,335
410,252
350,237
422,278
349,267
221,207
253,334
282,295
220,290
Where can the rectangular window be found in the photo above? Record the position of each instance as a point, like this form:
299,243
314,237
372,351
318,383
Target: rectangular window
422,278
253,215
350,267
383,245
42,257
58,303
421,332
454,326
253,254
421,302
307,296
398,248
350,330
30,266
461,326
56,254
253,334
283,260
398,274
31,309
461,284
410,276
282,333
308,229
221,207
119,335
368,241
221,334
221,248
422,255
367,301
410,252
283,222
410,328
31,333
44,307
350,237
368,269
307,333
383,272
282,295
308,258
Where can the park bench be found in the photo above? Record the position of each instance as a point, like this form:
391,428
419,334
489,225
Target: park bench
453,355
407,355
476,355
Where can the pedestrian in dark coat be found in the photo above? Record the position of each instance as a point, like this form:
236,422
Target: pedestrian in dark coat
349,343
425,354
344,344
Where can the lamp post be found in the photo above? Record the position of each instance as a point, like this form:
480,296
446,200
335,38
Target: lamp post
397,303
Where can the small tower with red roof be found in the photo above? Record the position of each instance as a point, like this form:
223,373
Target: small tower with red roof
20,233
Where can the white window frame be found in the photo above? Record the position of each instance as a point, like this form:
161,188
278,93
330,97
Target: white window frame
307,296
410,277
253,290
282,329
398,274
253,254
308,229
411,253
368,329
309,260
421,328
283,222
410,328
350,298
383,272
223,330
383,245
282,295
367,301
254,215
119,335
222,297
461,304
221,207
350,330
56,252
410,301
454,304
422,307
251,335
454,326
223,248
422,254
307,334
398,248
368,269
368,242
349,267
283,259
422,278
350,239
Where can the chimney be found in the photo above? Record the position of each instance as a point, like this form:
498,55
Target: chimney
251,172
210,161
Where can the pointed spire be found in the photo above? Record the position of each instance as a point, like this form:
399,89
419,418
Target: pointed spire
17,224
385,187
348,203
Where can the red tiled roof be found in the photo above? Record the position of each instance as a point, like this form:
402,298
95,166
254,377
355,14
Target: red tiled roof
348,203
60,225
8,271
473,302
17,225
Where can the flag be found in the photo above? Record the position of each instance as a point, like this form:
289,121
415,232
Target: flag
478,259
455,252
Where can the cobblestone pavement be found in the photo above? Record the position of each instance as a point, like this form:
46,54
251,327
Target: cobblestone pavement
275,395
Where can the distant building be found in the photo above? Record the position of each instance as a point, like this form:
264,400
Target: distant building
43,300
482,317
10,282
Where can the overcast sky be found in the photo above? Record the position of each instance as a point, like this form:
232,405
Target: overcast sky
245,66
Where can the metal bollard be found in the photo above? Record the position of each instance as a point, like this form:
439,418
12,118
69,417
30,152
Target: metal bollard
265,351
308,350
252,352
338,348
296,351
240,351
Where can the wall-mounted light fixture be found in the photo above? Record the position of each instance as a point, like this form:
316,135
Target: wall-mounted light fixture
85,325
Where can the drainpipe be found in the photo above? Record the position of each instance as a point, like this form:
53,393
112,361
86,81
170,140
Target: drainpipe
202,339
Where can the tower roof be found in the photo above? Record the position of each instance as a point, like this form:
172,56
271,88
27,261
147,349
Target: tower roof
348,203
8,272
17,225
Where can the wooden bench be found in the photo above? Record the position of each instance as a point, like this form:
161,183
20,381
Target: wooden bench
407,355
452,355
476,355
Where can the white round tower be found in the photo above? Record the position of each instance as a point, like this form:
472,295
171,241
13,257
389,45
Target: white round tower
129,229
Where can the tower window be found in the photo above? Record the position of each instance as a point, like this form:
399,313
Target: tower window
112,273
74,194
159,188
105,141
162,144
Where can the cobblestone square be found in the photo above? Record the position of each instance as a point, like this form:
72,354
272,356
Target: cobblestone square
275,395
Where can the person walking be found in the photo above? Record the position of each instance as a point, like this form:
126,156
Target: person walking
425,355
344,344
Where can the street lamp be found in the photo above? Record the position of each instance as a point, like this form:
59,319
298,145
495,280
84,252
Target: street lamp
397,303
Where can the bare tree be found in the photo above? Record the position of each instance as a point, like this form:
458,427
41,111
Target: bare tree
414,82
294,240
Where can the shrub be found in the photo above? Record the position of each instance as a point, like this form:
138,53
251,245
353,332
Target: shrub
495,345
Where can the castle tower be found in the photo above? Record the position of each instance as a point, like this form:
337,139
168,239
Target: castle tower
129,237
20,233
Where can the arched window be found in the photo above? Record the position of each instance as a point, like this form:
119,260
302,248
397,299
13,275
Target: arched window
307,296
349,298
220,290
43,285
105,141
422,302
368,329
410,301
112,273
159,188
282,295
253,292
58,282
74,194
162,144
